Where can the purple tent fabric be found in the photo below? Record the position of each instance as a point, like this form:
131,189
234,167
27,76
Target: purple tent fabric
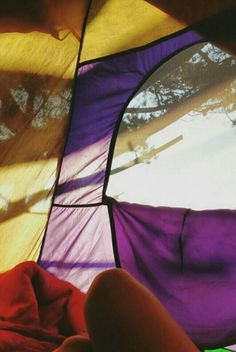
103,90
185,257
78,244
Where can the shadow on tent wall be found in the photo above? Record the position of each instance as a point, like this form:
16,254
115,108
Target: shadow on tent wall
189,13
33,114
36,78
71,265
47,16
21,206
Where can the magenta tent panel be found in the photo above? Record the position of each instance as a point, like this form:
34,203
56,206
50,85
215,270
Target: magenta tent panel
187,259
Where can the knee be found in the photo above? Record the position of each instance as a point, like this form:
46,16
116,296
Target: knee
110,275
105,287
109,279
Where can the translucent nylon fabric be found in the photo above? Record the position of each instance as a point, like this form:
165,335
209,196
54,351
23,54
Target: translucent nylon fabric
187,259
176,139
78,244
103,90
118,25
36,71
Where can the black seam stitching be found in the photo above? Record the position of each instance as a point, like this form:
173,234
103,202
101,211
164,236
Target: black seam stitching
77,205
113,234
180,240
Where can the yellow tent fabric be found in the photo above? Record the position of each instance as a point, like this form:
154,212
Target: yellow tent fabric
37,72
118,25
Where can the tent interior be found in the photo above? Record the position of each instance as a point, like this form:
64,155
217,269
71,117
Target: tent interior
117,144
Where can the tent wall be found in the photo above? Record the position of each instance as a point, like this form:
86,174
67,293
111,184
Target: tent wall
87,231
104,88
36,73
115,25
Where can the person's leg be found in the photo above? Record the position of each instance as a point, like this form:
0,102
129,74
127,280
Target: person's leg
75,343
123,316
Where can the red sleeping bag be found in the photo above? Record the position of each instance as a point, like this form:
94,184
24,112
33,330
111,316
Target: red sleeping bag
37,310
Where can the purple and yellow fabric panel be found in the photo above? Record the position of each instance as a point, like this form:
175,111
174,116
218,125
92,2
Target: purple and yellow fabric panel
71,224
185,257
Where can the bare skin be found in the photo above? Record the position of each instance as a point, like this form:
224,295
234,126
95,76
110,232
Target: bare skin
122,315
75,344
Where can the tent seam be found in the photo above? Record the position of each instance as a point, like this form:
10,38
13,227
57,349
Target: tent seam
180,240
